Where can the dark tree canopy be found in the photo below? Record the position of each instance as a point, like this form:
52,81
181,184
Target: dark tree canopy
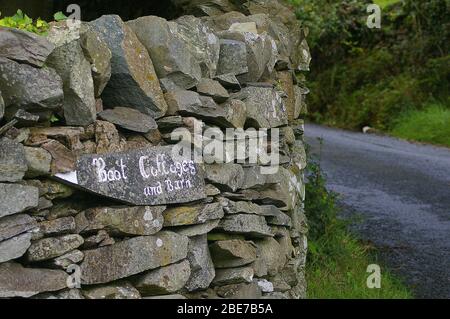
92,9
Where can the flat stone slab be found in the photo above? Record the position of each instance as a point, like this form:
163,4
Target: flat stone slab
132,256
17,281
16,198
14,247
164,280
14,225
24,47
148,176
13,164
129,119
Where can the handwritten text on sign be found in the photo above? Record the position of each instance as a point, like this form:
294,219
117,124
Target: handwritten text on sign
149,176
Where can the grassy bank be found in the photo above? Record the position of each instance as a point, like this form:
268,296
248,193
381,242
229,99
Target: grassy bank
337,261
430,125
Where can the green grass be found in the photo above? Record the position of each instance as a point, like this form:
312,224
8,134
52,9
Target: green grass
337,261
338,271
430,125
385,3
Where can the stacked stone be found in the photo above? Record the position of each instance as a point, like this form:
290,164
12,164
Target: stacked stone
111,86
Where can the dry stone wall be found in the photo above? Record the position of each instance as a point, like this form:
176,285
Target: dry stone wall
95,202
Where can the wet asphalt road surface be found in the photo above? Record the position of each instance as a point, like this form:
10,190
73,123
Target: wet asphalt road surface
401,192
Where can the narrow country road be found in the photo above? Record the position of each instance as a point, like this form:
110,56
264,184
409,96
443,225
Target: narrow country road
402,192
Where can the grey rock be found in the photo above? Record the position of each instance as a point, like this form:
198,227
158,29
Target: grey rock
202,267
133,81
228,81
69,61
132,256
271,258
228,177
281,219
102,238
136,220
233,276
13,163
244,27
63,159
14,247
243,207
38,160
299,154
236,112
14,225
183,102
170,123
240,291
213,89
164,280
107,138
66,294
265,107
64,261
171,55
68,135
245,224
2,107
286,194
232,253
175,296
49,248
240,207
265,285
228,15
201,41
60,226
53,189
300,106
129,119
25,118
17,198
188,103
211,190
120,290
279,284
285,83
17,281
191,215
195,230
19,135
168,85
35,90
261,54
43,205
24,47
233,58
98,54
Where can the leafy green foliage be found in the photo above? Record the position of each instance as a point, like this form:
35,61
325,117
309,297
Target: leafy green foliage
59,16
386,3
24,22
371,77
337,261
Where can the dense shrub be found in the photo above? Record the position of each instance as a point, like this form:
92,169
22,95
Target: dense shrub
371,77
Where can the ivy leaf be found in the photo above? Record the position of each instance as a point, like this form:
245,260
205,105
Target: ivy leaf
59,16
54,119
